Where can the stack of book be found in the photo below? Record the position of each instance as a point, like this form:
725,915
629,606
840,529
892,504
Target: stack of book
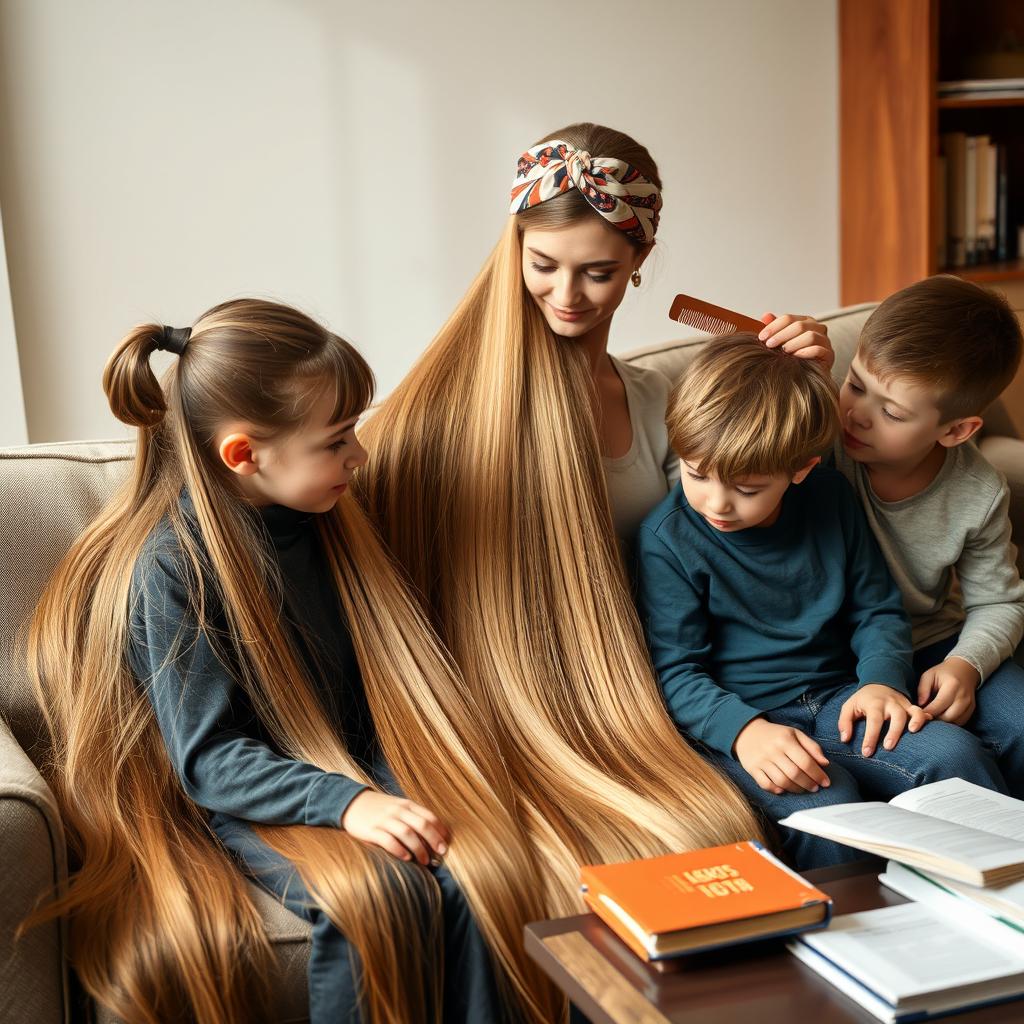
957,851
972,201
682,903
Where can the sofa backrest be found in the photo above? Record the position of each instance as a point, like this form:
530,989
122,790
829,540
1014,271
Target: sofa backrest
49,493
672,357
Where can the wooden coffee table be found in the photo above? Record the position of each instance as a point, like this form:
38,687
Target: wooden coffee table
755,984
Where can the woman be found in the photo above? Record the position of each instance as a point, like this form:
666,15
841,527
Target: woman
504,465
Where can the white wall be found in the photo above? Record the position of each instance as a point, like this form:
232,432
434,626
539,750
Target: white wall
13,429
354,158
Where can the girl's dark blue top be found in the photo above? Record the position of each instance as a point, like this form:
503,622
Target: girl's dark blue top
225,759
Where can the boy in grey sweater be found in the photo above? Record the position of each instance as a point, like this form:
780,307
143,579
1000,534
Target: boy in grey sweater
930,359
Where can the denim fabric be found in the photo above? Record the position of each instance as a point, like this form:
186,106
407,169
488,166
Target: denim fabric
938,751
998,719
471,994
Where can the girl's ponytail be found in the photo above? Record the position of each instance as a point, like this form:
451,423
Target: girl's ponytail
134,393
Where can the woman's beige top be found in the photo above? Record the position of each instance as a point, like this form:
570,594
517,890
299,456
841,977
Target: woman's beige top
638,480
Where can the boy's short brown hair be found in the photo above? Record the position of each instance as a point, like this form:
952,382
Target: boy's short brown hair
948,334
742,409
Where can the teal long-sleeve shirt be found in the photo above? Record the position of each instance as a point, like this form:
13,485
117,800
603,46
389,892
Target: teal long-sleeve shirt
223,757
741,623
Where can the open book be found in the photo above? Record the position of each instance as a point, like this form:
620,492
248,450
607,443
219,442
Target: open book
952,828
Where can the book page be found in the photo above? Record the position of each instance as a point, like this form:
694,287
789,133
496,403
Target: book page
911,950
896,828
967,804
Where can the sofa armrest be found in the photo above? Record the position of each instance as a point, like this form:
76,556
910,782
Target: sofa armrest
33,861
1007,455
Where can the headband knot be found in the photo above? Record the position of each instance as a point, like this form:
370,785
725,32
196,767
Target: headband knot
173,339
613,188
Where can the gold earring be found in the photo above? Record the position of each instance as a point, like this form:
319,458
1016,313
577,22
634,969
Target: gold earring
635,278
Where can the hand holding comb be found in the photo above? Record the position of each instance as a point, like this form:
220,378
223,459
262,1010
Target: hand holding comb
704,316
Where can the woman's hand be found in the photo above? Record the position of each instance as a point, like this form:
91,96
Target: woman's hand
403,828
802,336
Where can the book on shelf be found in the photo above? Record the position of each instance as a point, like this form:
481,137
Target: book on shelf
982,89
971,191
952,828
691,902
911,962
954,145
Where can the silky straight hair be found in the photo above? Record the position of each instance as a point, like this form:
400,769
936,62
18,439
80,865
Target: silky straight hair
486,481
162,924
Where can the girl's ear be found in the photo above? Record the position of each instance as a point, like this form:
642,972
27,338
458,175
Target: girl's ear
236,453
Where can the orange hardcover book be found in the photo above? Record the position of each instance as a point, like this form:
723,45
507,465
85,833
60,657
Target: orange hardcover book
691,902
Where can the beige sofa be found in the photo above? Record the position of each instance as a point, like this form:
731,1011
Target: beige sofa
48,493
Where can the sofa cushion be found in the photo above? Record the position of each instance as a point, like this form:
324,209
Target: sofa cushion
48,495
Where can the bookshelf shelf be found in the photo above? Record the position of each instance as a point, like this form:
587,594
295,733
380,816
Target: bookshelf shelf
953,103
892,55
984,273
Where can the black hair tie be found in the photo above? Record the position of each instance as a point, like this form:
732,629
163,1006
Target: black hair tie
173,339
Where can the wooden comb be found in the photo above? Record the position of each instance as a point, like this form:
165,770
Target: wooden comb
704,316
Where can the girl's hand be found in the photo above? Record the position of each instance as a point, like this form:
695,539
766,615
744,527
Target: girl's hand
948,691
403,828
877,704
803,336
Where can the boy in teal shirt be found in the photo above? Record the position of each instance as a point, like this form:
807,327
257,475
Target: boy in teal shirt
778,635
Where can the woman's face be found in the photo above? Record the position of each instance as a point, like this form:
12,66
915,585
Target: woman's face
577,274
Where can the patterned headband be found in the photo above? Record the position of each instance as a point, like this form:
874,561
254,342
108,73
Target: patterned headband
615,189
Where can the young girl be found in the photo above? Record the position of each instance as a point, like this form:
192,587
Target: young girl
233,675
506,508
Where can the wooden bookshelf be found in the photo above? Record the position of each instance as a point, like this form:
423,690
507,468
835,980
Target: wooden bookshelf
893,54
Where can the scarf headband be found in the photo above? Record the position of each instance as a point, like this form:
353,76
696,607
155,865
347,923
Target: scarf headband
615,189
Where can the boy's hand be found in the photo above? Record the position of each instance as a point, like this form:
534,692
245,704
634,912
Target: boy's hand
877,704
403,828
779,758
803,336
948,691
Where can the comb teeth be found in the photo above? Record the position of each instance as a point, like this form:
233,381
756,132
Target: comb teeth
705,322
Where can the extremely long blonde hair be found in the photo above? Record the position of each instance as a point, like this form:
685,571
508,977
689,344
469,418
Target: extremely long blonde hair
162,927
486,481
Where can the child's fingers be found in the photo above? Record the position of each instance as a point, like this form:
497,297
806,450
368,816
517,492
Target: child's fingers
898,718
919,718
386,841
941,702
432,818
925,687
427,831
777,774
797,774
960,710
846,717
812,747
409,838
760,776
873,721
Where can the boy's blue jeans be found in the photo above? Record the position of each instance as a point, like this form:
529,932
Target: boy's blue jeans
938,751
998,719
